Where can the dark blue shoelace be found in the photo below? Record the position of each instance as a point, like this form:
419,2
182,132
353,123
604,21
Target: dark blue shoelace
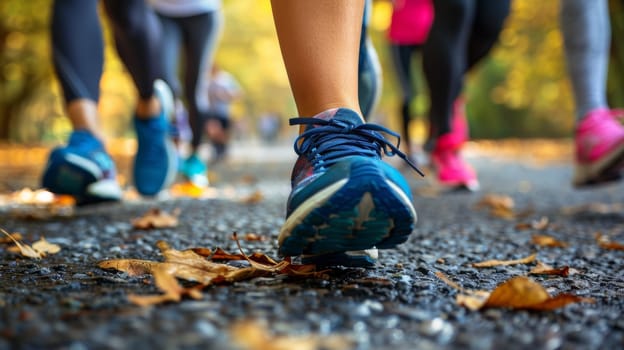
331,140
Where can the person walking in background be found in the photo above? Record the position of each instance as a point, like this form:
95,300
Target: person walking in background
463,32
345,201
83,168
599,137
191,27
407,33
223,91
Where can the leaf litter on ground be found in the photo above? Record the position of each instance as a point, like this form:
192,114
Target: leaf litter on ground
194,265
518,292
37,250
156,218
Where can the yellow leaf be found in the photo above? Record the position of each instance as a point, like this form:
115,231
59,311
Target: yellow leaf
491,263
547,241
44,247
24,249
133,267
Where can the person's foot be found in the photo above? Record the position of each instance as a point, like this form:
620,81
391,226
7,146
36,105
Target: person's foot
451,170
155,163
195,170
599,143
83,170
345,199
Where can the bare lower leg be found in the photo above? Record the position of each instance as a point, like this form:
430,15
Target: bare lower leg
148,108
319,41
83,115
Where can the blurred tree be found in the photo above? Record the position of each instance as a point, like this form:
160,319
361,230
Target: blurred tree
25,72
520,90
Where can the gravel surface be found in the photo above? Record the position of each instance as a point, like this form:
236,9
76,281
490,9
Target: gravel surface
64,301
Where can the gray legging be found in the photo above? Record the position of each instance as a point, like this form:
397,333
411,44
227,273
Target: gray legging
197,35
586,33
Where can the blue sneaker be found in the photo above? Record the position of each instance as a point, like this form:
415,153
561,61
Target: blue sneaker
83,170
155,163
195,170
345,199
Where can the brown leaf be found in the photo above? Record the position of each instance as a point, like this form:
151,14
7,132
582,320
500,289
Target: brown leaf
254,198
156,218
491,263
523,293
191,266
606,243
545,269
448,281
254,237
547,241
499,205
540,224
205,252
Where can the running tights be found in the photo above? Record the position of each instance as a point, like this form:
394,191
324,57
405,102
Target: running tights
463,32
78,49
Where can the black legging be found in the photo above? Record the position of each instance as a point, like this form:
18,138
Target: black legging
462,33
402,59
197,35
78,49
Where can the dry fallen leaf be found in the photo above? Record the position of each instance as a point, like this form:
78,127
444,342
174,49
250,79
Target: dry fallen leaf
540,224
156,218
547,241
606,243
46,247
37,251
254,198
516,293
253,335
491,263
545,269
523,293
252,237
190,266
501,206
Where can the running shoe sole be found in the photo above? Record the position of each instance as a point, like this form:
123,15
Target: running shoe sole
603,171
360,212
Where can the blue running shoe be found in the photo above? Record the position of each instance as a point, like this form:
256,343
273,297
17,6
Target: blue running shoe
345,198
195,170
83,170
155,163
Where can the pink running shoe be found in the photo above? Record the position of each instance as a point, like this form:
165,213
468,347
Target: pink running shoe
452,171
599,148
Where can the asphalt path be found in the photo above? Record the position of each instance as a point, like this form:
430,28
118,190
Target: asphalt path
65,301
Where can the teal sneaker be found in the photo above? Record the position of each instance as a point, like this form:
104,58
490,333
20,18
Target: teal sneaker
345,200
82,169
194,169
156,160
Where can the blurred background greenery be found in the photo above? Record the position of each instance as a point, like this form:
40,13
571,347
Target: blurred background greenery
520,90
